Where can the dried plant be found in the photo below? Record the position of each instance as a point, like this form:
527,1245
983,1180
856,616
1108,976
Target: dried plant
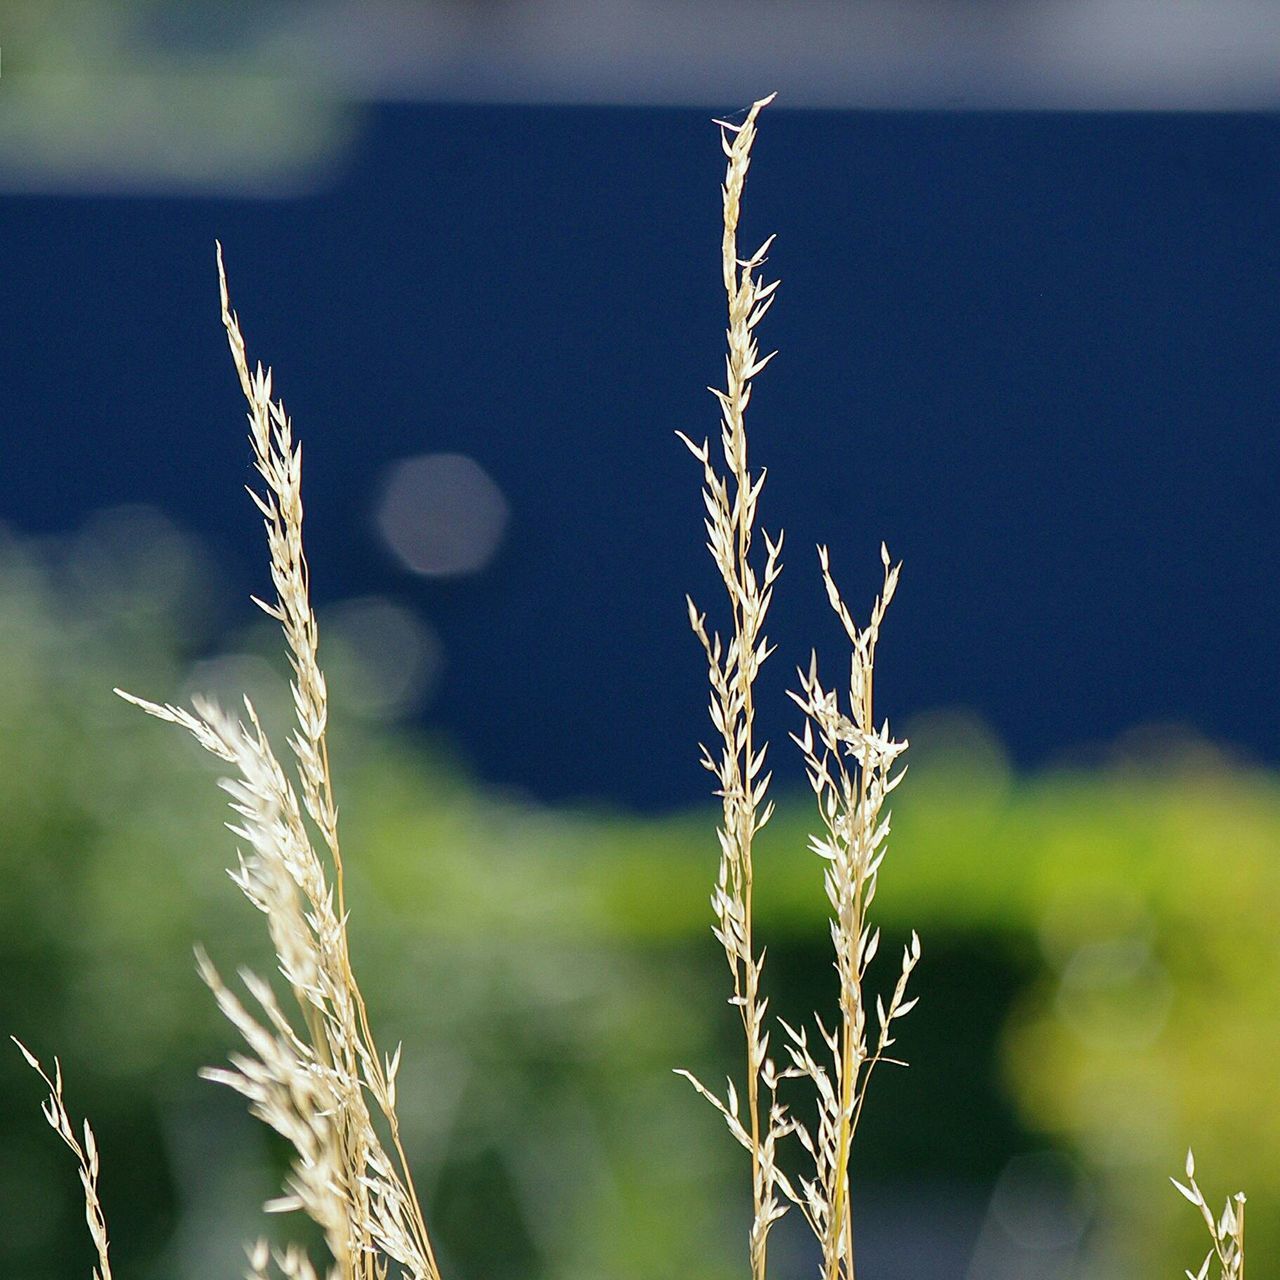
86,1154
311,1078
316,1076
731,509
1226,1232
850,766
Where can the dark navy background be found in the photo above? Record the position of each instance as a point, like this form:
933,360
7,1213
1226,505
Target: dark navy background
1038,354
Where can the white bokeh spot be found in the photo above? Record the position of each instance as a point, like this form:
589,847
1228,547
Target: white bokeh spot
442,514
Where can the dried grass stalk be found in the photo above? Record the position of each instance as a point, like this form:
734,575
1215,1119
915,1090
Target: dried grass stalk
1226,1232
86,1154
738,765
850,766
315,1076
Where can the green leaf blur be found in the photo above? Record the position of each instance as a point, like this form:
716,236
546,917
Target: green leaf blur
1099,957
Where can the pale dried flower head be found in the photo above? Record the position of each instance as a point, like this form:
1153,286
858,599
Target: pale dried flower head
850,765
730,499
1226,1231
85,1150
314,1075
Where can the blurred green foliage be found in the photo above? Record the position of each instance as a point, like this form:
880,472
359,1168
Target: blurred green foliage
1100,970
142,95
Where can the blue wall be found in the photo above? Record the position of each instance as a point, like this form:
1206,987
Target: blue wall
1038,354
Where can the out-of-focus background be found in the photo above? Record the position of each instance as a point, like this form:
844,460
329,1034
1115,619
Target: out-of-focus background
1029,330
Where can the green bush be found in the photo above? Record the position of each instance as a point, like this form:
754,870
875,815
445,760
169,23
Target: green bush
1099,974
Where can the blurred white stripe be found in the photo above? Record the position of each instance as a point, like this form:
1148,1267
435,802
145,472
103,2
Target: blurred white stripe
170,95
1080,54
